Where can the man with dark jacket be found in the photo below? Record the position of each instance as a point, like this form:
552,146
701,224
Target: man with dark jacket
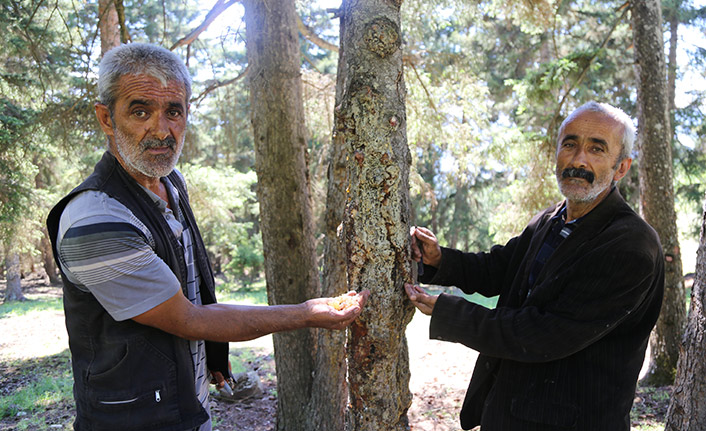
139,292
579,292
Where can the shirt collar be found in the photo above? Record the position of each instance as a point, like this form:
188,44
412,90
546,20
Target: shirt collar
171,191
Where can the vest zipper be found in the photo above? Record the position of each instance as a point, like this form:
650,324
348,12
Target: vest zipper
157,397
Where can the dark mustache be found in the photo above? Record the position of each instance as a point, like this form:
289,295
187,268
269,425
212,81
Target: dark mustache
578,173
148,143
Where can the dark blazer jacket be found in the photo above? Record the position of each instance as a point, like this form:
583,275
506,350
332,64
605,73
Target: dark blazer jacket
567,355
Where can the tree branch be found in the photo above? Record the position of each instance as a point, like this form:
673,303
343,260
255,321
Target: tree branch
424,87
218,84
313,38
218,8
555,118
120,9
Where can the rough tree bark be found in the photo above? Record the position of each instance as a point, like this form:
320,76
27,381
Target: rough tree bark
687,408
672,17
283,192
371,120
329,395
13,288
656,183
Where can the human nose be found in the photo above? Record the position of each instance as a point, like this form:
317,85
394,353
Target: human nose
161,128
579,158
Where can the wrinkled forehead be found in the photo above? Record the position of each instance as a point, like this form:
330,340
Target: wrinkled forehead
149,88
594,126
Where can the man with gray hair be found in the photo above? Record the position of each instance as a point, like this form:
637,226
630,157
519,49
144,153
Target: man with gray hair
144,327
579,292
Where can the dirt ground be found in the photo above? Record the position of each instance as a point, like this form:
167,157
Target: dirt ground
439,374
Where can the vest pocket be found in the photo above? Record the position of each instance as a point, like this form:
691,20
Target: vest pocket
138,392
131,402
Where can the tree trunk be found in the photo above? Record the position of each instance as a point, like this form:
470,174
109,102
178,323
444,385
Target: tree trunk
687,408
13,289
673,18
283,192
48,258
329,395
656,183
372,121
109,25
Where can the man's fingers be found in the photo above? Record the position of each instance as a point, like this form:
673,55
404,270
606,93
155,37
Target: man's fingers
422,300
415,293
427,238
410,291
424,234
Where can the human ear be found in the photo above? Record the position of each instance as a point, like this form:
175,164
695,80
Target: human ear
623,168
103,116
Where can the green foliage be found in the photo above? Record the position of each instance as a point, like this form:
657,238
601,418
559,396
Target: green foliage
531,16
690,176
447,120
226,208
15,165
319,21
241,359
689,145
41,108
242,292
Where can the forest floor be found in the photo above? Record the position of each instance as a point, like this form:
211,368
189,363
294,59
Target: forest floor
34,363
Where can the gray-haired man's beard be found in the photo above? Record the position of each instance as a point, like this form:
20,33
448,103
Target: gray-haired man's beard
150,165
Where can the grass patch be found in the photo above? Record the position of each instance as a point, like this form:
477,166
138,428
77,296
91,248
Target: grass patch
242,359
244,298
33,386
251,294
475,298
479,299
39,395
20,308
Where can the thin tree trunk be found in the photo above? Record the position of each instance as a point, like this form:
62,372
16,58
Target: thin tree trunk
48,259
109,25
372,120
13,288
687,408
656,183
283,192
45,247
329,395
460,207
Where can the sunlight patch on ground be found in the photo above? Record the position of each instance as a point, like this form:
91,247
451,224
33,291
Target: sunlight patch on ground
33,335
